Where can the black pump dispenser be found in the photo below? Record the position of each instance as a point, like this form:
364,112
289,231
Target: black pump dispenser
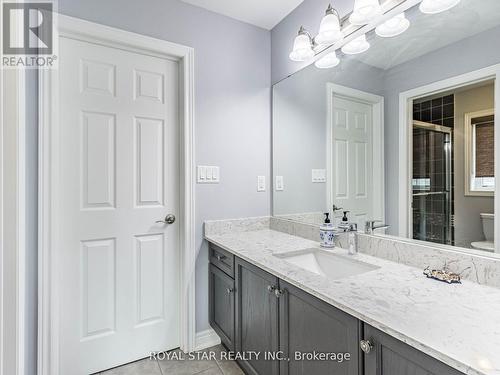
344,218
327,219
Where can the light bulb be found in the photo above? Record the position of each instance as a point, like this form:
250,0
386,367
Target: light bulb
330,60
329,28
394,26
365,11
302,46
355,46
437,6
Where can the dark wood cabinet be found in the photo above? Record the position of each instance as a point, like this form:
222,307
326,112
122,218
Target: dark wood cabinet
256,317
221,305
255,313
221,258
388,356
309,325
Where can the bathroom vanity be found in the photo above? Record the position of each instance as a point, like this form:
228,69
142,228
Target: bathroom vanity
401,134
253,310
267,296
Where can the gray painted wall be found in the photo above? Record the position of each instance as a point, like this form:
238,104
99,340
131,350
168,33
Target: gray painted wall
31,280
232,115
299,130
468,224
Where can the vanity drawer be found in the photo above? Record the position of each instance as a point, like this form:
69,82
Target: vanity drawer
221,258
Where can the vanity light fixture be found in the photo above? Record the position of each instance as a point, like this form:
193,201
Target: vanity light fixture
437,6
365,11
395,26
356,46
329,28
302,46
330,60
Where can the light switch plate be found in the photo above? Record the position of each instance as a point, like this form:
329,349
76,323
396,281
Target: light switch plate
261,183
279,183
207,174
215,174
318,175
202,173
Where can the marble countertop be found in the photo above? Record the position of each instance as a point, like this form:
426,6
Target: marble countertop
458,324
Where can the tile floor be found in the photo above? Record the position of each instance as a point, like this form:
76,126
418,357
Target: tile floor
179,367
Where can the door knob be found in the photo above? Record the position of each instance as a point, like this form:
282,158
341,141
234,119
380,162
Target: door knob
278,293
169,219
366,346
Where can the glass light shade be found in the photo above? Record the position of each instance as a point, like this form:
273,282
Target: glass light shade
302,49
394,26
329,29
330,60
355,46
365,11
437,6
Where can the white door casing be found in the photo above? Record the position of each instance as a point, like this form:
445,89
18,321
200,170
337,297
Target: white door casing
12,222
355,153
123,84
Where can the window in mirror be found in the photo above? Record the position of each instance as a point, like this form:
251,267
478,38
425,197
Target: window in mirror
480,176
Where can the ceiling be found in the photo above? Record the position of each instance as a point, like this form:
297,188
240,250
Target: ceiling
431,32
262,13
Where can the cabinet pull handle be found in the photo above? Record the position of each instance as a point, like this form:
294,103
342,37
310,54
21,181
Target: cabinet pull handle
278,293
220,257
271,288
366,346
229,290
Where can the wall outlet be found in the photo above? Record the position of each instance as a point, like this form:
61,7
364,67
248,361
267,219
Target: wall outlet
261,183
318,175
279,183
207,174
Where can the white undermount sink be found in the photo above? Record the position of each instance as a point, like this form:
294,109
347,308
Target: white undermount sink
324,263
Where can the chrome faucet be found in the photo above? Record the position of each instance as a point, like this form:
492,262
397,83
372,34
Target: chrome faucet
370,226
352,238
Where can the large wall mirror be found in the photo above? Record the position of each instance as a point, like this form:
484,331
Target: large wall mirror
403,133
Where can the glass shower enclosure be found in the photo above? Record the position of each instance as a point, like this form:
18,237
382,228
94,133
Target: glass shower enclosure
432,208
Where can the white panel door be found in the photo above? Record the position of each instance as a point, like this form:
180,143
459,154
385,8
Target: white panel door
119,174
352,164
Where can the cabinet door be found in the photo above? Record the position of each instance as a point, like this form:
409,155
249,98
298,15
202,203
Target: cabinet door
388,356
256,318
221,305
309,325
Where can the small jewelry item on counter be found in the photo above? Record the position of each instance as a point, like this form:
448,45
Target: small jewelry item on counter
443,275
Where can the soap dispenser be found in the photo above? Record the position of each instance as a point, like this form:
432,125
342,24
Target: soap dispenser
344,223
327,233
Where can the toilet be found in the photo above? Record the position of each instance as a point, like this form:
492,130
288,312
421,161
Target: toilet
488,230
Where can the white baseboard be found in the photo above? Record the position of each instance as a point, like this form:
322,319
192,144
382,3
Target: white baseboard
206,339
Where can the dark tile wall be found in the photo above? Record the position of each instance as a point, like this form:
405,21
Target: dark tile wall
430,211
439,111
